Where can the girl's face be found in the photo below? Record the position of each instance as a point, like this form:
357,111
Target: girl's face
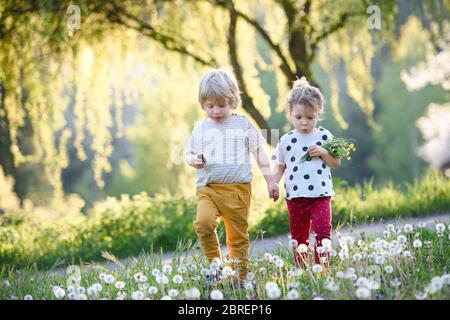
217,110
304,119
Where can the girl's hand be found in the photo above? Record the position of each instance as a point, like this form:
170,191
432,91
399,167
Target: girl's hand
316,151
274,191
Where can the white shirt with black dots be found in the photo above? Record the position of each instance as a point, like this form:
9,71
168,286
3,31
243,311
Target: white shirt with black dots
309,179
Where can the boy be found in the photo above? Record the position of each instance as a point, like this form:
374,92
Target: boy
219,149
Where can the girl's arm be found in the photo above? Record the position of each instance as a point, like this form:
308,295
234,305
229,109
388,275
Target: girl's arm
278,172
264,165
317,151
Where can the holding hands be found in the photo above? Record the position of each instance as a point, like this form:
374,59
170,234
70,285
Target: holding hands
274,192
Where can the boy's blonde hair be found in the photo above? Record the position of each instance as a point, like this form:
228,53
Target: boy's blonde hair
305,94
220,86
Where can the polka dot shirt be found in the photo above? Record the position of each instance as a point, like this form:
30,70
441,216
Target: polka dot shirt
310,179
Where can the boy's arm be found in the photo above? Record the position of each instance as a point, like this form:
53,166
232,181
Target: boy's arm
264,165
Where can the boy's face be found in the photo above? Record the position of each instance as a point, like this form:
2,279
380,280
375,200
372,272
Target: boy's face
217,110
304,119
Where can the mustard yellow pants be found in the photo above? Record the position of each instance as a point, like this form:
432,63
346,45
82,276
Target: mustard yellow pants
232,203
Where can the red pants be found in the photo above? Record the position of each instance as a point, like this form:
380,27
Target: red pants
306,214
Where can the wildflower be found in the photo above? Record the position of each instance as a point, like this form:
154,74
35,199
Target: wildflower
417,244
338,147
215,264
357,257
295,272
401,238
293,244
272,290
193,267
119,285
408,228
388,269
361,243
362,293
81,296
317,268
248,286
72,295
167,269
302,248
58,292
137,295
173,293
293,294
162,279
70,289
81,290
267,256
340,275
346,242
28,297
192,293
155,272
152,290
178,279
421,295
216,295
343,254
279,263
195,277
362,282
143,286
331,285
326,243
109,278
379,259
395,282
407,254
182,269
422,224
166,298
91,291
440,228
227,271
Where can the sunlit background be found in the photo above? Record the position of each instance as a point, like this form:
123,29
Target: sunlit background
97,98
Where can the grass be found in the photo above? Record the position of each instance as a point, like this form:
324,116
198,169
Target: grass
128,225
390,266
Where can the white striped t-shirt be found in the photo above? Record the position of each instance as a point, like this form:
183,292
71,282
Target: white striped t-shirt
226,148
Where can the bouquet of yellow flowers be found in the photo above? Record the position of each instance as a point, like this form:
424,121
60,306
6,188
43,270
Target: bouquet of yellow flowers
338,147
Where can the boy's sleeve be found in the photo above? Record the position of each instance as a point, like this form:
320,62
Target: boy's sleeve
255,138
194,143
278,156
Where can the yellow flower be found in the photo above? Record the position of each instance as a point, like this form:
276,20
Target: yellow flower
348,158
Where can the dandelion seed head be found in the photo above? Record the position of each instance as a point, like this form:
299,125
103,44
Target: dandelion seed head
293,294
173,293
137,295
216,295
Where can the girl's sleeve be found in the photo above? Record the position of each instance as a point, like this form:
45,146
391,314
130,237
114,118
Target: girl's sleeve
278,156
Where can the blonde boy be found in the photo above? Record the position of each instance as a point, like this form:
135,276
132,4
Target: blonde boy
219,148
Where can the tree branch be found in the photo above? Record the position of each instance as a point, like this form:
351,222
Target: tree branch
285,67
247,101
121,17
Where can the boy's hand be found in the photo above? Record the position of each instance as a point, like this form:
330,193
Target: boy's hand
274,191
316,151
197,161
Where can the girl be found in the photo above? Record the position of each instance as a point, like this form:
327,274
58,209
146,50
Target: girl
308,184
